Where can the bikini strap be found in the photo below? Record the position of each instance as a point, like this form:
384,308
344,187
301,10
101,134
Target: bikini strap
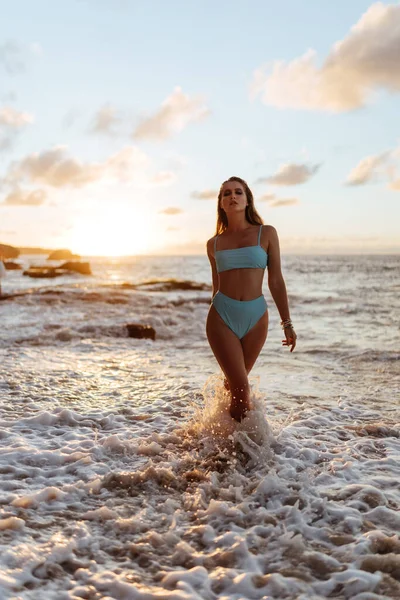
259,234
215,244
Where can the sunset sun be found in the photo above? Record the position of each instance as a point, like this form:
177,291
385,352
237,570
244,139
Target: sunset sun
112,233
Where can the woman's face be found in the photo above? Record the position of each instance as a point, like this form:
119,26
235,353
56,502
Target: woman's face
233,197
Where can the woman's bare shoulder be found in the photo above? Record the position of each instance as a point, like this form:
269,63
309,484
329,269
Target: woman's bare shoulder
269,236
210,245
269,229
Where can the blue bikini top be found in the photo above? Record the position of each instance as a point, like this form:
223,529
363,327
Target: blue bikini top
248,257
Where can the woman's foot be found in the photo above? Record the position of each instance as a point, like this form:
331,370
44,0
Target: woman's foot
238,410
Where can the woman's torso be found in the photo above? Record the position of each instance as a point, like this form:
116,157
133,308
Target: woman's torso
242,283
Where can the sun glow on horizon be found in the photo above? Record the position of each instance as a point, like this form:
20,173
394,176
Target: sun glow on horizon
114,233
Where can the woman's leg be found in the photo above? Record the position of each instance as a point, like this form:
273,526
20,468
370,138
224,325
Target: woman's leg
253,342
228,351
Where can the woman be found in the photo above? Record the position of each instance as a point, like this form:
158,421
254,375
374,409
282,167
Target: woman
237,323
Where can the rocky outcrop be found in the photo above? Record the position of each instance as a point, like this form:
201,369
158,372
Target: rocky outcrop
12,266
136,330
65,269
8,251
62,254
46,272
77,267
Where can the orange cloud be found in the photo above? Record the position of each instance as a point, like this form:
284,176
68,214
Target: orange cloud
18,197
274,201
171,210
57,169
284,202
205,195
382,166
367,169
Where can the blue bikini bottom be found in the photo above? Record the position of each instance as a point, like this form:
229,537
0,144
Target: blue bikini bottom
239,315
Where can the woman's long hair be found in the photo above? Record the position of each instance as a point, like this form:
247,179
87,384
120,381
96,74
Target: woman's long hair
252,215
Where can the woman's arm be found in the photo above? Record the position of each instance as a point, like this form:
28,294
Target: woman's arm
277,287
210,254
276,283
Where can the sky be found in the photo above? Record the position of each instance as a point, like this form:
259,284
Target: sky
120,119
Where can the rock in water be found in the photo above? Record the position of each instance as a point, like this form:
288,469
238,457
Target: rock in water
136,330
37,272
62,255
12,266
78,267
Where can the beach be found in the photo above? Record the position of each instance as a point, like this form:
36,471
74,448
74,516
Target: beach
123,476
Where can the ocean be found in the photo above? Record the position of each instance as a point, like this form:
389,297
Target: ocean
123,477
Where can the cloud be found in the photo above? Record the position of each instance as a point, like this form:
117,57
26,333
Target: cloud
274,201
10,117
105,121
284,202
176,112
18,197
395,185
164,178
267,198
11,120
57,169
382,166
171,210
290,174
205,195
365,61
367,169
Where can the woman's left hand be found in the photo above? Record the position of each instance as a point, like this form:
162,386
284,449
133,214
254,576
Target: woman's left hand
291,338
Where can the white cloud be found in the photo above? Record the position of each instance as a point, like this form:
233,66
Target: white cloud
205,195
171,210
290,174
176,112
365,61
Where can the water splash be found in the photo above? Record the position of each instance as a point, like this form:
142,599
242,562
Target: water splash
252,437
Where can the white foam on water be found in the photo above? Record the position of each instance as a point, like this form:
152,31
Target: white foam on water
121,478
